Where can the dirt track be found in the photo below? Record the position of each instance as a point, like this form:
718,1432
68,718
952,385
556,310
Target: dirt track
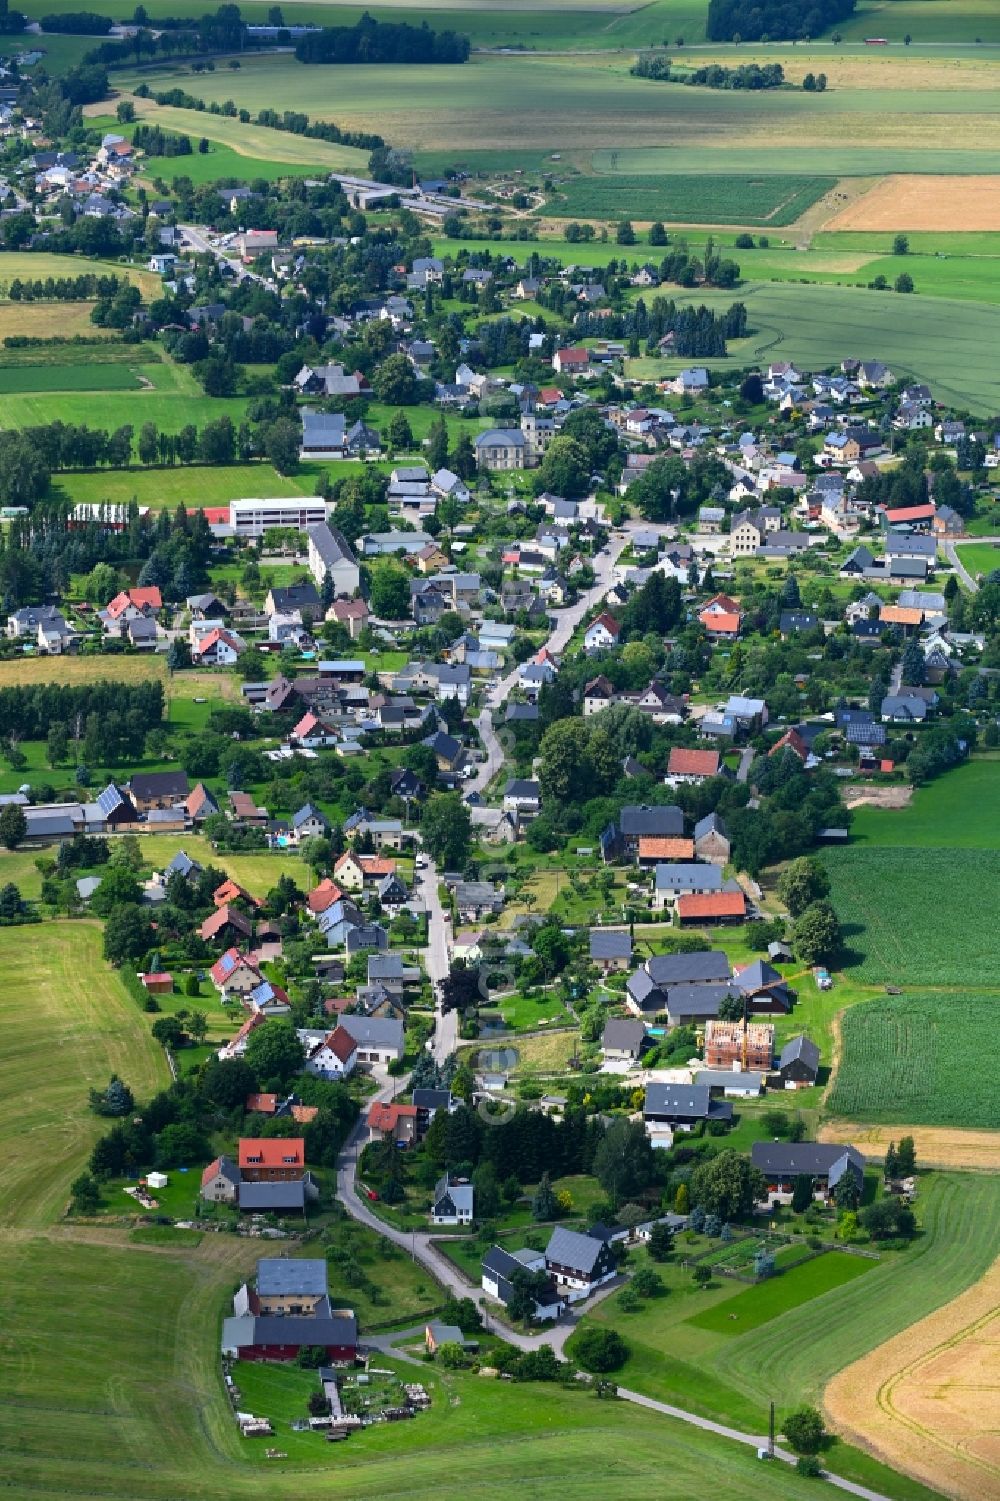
878,797
937,1146
926,1401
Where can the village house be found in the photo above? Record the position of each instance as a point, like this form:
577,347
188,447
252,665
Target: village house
825,1163
578,1264
500,1269
624,1040
452,1201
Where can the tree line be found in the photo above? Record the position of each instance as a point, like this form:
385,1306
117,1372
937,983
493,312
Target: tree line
158,142
28,710
746,76
372,41
294,121
698,332
63,288
759,20
77,23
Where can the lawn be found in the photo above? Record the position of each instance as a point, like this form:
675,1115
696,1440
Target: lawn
922,916
925,1059
800,1284
258,871
791,1357
133,1379
979,557
94,377
172,399
66,1023
719,199
235,142
958,810
187,485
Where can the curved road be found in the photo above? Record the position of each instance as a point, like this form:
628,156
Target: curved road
951,553
420,1244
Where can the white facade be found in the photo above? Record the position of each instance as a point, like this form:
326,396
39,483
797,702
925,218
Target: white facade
251,518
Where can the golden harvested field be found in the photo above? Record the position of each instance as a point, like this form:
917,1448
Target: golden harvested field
874,72
73,670
68,671
49,320
937,1146
925,203
926,1402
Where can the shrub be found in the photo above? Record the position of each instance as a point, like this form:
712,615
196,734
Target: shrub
600,1350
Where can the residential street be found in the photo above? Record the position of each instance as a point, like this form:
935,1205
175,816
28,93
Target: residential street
566,623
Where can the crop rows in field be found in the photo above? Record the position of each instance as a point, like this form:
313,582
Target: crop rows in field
922,1059
918,916
703,199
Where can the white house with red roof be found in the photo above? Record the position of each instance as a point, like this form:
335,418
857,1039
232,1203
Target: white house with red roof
601,633
235,974
217,648
334,1056
311,732
721,617
571,361
145,601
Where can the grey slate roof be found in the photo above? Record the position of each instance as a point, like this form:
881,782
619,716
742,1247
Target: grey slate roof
279,1275
605,944
664,820
570,1248
689,1102
696,1000
374,1031
273,1196
709,965
800,1049
623,1035
818,1159
710,824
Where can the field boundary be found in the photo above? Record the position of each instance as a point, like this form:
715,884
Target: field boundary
884,1400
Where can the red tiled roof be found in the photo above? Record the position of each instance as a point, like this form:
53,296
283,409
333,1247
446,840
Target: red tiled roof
386,1117
324,895
573,356
653,847
712,904
214,515
227,962
723,603
912,513
791,740
303,1114
722,625
225,916
377,865
272,1151
159,976
211,1171
263,1104
341,1044
229,891
609,623
693,763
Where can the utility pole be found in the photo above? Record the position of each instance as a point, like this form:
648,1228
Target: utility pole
770,1433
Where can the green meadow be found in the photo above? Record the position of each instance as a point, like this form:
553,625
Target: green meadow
958,810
